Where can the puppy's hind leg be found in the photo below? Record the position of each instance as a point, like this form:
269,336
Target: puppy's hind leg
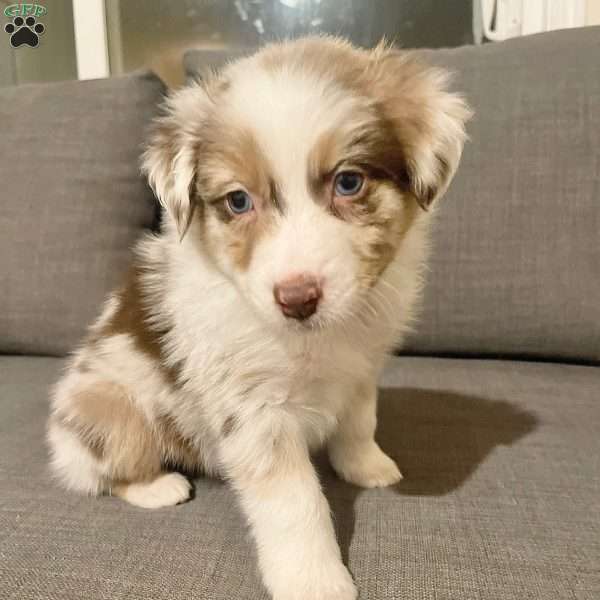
166,489
101,443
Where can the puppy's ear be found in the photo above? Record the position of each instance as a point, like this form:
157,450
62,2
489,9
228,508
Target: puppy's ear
428,121
169,160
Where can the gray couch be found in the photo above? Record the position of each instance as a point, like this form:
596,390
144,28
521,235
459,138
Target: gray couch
492,411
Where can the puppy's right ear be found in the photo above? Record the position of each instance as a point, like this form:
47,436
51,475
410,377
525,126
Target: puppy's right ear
169,160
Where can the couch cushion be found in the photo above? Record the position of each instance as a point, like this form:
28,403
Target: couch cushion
499,500
516,254
73,202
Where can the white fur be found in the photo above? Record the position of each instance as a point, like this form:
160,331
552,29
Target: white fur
167,490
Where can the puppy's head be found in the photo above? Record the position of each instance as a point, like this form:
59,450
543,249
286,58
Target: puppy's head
303,168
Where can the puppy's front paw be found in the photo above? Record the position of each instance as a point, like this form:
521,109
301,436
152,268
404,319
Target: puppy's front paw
334,583
367,468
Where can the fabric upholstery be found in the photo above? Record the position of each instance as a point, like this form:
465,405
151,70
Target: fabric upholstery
499,500
516,252
516,262
73,202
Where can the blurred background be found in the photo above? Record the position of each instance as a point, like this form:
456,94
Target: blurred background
97,38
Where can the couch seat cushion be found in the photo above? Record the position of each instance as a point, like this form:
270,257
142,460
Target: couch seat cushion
499,500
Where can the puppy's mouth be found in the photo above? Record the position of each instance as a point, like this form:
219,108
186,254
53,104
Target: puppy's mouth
304,321
318,321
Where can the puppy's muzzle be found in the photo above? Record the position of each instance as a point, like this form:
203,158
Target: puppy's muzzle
298,296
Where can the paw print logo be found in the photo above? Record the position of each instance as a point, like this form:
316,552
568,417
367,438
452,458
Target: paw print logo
24,31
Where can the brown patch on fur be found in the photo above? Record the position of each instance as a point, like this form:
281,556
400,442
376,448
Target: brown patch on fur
227,155
223,213
384,209
384,222
243,241
131,317
372,149
229,158
104,418
106,421
423,116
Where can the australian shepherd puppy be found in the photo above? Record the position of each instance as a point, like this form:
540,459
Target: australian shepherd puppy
298,187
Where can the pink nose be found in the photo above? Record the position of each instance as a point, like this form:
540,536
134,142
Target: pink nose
298,296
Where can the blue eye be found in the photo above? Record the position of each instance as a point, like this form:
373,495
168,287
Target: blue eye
239,202
348,183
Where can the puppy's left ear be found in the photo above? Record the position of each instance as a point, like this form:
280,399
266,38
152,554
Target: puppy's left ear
428,121
169,160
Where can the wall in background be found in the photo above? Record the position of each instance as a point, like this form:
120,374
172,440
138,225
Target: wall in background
592,16
155,34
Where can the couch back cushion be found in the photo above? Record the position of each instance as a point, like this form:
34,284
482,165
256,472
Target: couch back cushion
515,267
516,261
73,203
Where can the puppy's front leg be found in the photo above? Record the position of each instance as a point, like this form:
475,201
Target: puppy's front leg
268,463
353,451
